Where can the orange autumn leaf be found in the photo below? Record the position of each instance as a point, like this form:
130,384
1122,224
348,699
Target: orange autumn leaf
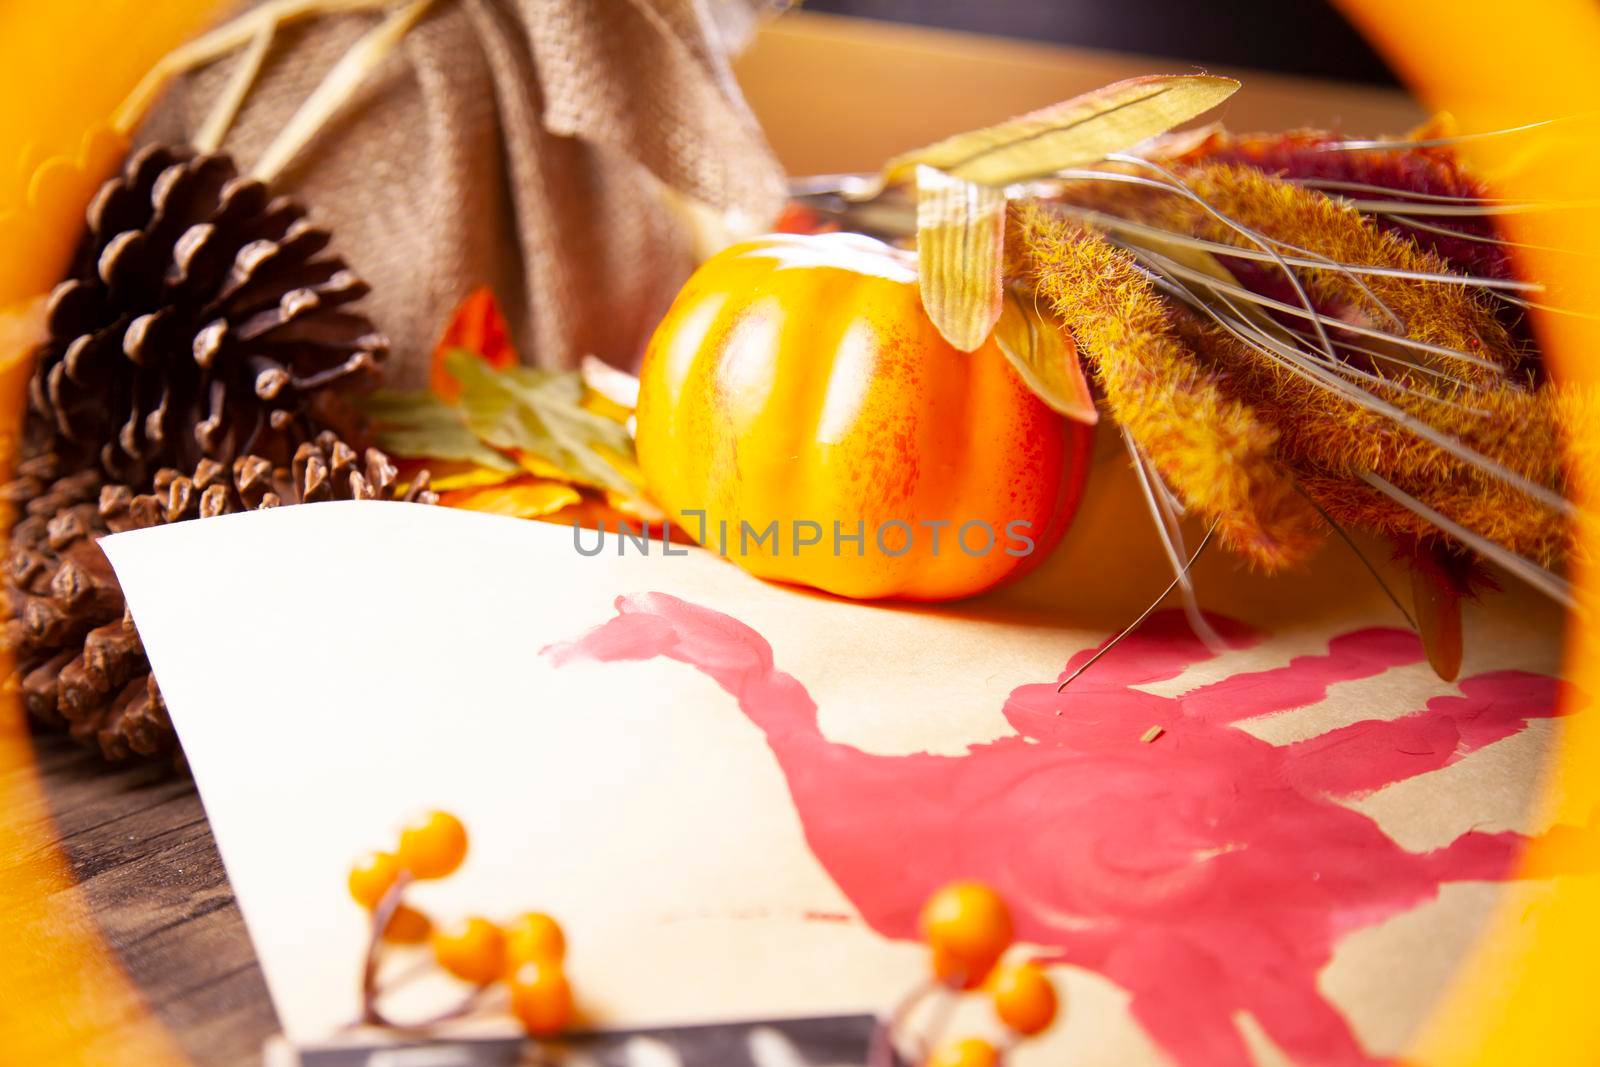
447,475
529,499
801,218
538,467
634,508
617,517
477,327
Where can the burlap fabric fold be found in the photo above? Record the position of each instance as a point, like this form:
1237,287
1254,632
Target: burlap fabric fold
542,147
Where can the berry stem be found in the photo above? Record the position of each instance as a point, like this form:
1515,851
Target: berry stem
929,1039
388,904
416,969
882,1052
418,1026
371,991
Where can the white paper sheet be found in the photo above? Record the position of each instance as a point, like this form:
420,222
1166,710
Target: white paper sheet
333,668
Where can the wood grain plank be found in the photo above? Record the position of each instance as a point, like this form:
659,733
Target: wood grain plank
141,850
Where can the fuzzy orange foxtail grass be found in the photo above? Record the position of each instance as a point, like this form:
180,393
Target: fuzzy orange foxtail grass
1327,429
1211,448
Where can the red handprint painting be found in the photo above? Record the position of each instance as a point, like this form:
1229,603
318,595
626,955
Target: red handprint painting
1208,872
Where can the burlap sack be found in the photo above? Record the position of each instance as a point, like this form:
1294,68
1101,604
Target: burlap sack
543,147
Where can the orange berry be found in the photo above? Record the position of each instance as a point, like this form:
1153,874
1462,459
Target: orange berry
407,926
535,936
541,999
433,846
1023,997
968,1052
958,972
371,877
473,950
968,926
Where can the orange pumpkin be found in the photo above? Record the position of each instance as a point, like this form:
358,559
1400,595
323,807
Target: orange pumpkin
799,413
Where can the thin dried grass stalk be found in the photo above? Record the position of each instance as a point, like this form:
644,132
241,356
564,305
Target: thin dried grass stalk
1331,441
1211,447
1543,541
1451,316
1424,164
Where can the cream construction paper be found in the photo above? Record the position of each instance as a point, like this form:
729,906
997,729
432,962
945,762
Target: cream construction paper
344,665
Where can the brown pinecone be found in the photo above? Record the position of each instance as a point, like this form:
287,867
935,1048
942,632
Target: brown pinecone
79,662
202,318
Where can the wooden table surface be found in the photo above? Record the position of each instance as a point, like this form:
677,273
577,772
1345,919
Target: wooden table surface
137,840
141,851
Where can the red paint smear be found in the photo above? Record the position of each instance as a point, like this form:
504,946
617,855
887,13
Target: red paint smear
1208,874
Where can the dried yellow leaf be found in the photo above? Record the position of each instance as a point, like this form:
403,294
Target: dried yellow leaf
607,390
443,477
961,228
1069,134
1045,357
540,468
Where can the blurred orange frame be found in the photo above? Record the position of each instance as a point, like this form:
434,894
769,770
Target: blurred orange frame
1526,996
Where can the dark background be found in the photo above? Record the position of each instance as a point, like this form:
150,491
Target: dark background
1294,36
